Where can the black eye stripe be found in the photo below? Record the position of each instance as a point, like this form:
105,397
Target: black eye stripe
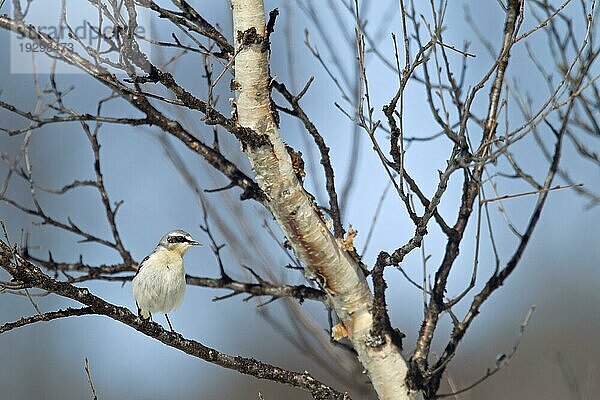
177,239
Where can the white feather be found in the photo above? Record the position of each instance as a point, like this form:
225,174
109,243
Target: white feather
159,286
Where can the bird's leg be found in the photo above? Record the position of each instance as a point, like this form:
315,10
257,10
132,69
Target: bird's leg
170,326
141,315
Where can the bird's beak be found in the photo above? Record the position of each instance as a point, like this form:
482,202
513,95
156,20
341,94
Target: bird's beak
194,243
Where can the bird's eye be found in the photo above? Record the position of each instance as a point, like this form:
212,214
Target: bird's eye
177,239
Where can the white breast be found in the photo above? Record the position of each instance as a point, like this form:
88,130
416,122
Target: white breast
159,286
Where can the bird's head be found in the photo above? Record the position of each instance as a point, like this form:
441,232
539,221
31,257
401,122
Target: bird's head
178,241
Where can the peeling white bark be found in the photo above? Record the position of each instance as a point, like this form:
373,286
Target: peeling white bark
306,231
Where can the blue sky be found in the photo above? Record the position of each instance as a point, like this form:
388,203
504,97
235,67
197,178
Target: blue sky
559,272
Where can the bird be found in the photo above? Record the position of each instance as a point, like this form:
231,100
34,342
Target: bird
159,283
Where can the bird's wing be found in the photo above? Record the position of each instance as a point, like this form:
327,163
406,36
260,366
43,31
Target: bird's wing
141,265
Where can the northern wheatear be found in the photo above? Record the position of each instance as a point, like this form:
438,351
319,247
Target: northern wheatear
159,284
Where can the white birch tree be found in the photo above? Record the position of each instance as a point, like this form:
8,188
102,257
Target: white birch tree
479,145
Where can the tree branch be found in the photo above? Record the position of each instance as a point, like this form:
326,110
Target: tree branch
154,116
324,258
470,191
27,273
49,316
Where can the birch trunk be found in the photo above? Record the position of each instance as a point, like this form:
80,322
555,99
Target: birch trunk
304,228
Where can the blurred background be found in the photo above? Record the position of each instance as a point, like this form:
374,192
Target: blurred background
559,273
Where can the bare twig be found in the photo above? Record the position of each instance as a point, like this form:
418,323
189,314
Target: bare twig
89,379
